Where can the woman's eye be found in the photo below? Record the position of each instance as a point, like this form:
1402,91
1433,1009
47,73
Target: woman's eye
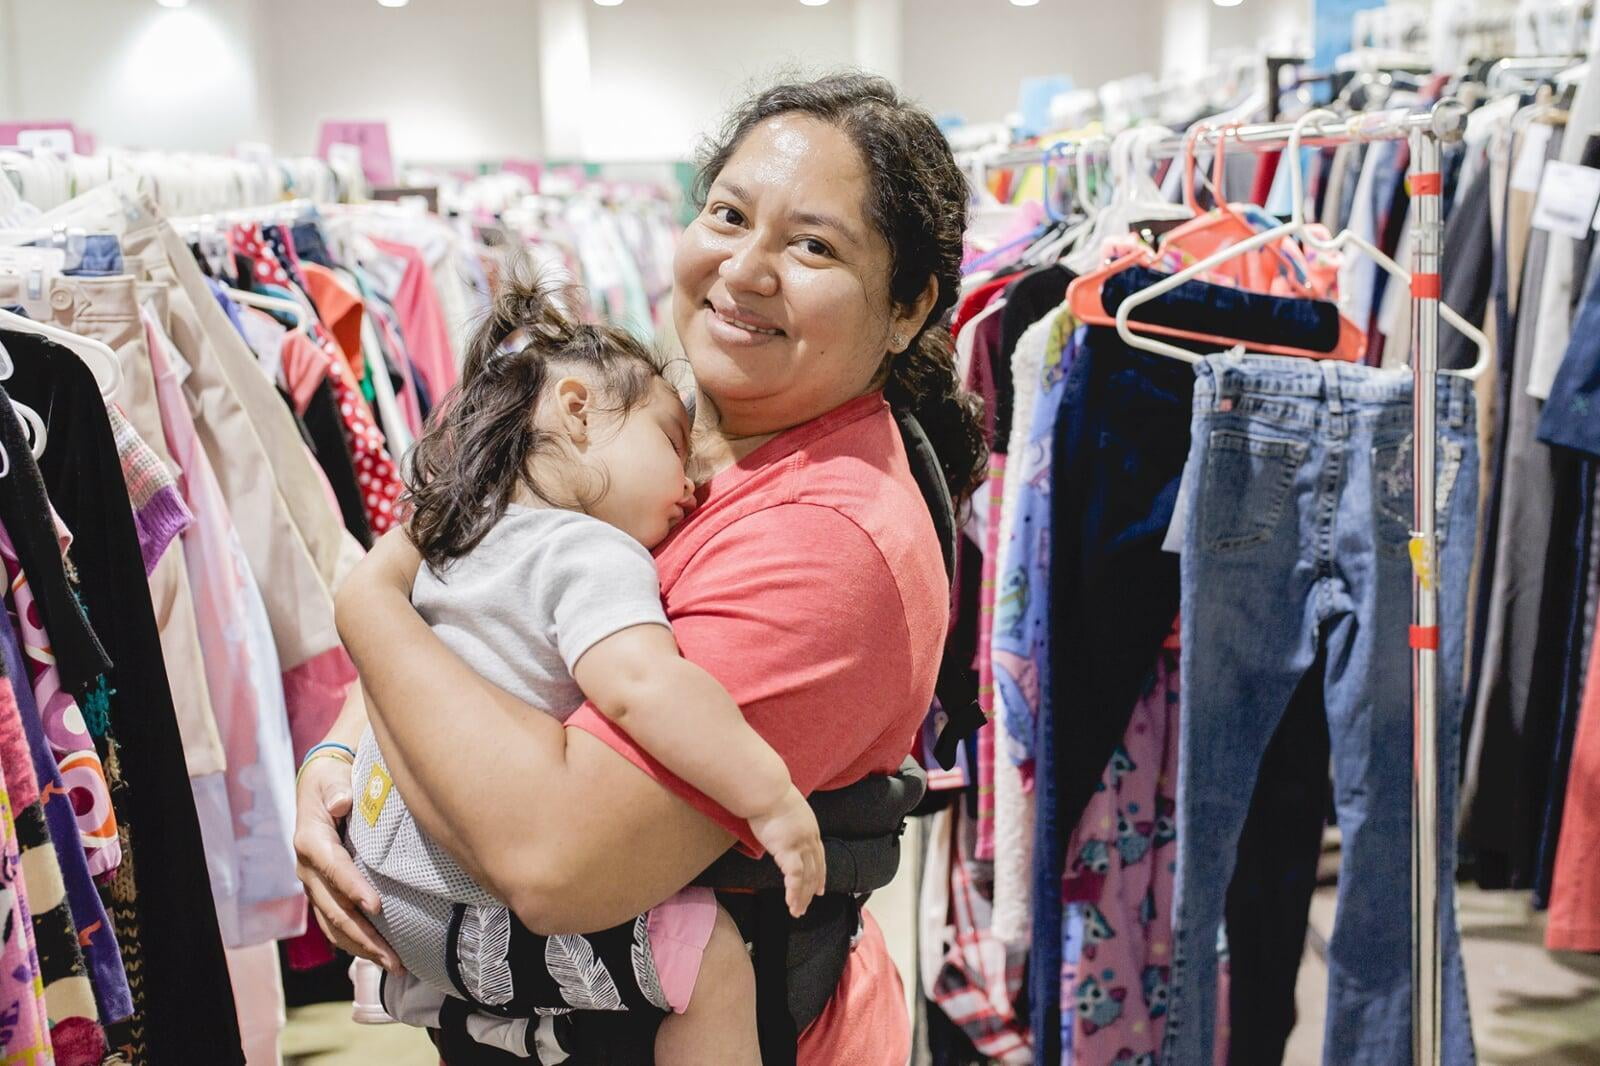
729,215
815,247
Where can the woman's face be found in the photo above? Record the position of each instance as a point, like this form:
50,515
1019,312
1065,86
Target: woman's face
782,283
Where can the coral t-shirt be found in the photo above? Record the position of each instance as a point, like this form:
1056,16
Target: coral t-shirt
809,582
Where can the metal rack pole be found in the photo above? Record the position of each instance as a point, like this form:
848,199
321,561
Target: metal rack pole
1425,1012
1427,241
1258,137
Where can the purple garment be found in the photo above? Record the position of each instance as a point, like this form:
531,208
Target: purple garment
230,308
100,952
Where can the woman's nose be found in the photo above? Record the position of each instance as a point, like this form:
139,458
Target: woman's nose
748,268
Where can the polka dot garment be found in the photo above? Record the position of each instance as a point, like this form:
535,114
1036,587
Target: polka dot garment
376,472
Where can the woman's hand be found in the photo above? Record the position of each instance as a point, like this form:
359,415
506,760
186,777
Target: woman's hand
789,831
339,894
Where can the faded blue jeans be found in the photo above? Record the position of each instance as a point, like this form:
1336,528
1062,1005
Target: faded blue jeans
1300,486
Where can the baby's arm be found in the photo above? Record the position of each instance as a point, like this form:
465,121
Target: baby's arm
682,716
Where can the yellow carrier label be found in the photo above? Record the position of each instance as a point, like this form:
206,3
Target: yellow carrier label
374,792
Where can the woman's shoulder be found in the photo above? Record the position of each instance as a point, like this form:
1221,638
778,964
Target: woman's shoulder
840,472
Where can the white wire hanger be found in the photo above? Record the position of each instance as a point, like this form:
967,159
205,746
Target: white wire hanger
1296,227
99,357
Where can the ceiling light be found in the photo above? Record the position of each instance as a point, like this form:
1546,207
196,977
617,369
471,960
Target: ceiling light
609,3
393,3
813,3
1227,3
1024,3
173,3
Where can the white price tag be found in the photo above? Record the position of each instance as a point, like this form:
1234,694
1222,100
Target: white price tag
1568,196
1530,157
56,142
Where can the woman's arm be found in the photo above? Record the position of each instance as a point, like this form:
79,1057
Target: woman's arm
684,718
569,833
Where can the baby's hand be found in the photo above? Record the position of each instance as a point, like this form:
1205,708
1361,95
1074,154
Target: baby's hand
789,831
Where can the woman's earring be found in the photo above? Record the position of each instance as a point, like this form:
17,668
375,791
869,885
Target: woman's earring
899,341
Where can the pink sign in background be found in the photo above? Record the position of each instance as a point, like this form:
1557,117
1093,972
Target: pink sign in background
82,143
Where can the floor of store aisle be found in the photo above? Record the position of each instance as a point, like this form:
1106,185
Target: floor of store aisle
1529,1007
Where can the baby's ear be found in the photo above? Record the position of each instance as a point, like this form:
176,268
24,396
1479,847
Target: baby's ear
573,401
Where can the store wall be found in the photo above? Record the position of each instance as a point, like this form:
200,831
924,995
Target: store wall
137,74
662,72
457,80
467,80
968,57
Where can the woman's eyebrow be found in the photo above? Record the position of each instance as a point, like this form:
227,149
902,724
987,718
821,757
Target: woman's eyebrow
833,222
734,189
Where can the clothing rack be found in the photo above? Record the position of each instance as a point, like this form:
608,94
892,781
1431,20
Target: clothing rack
1426,131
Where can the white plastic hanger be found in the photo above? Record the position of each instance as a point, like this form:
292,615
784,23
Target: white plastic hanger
1296,227
270,303
99,357
1134,196
30,418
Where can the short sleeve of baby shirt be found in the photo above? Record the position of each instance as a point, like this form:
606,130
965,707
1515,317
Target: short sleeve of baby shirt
596,581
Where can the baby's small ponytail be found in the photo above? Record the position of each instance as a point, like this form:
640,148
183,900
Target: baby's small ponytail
474,453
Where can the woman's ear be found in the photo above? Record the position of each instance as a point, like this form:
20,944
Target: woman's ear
573,401
907,320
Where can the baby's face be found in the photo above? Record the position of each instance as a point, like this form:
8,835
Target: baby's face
647,490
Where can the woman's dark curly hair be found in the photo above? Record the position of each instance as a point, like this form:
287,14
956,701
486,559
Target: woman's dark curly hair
917,199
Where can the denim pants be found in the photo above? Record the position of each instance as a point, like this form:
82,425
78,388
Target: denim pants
1120,440
1300,489
101,256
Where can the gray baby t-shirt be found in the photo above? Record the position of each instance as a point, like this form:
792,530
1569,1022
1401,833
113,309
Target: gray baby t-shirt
541,589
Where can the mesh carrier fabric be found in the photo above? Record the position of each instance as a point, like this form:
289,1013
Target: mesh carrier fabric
422,887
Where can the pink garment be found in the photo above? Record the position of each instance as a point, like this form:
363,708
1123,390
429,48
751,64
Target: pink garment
680,929
16,756
983,849
315,692
82,773
258,998
258,897
1120,875
422,320
410,405
24,1024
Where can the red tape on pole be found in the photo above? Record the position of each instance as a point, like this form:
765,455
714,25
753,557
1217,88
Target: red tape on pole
1425,286
1427,184
1425,637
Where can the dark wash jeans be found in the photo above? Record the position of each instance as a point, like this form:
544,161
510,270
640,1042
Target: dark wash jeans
1122,432
1300,513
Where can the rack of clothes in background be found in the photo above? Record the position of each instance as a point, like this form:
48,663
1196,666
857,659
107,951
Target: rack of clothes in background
615,237
207,418
1163,642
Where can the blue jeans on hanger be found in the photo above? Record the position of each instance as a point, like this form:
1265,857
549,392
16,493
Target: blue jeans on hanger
1300,490
102,256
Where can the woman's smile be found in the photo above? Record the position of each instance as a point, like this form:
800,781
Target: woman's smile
732,326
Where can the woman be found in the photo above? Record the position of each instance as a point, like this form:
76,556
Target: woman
809,580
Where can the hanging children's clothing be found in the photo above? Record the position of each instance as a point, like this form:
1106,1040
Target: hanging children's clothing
1299,496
